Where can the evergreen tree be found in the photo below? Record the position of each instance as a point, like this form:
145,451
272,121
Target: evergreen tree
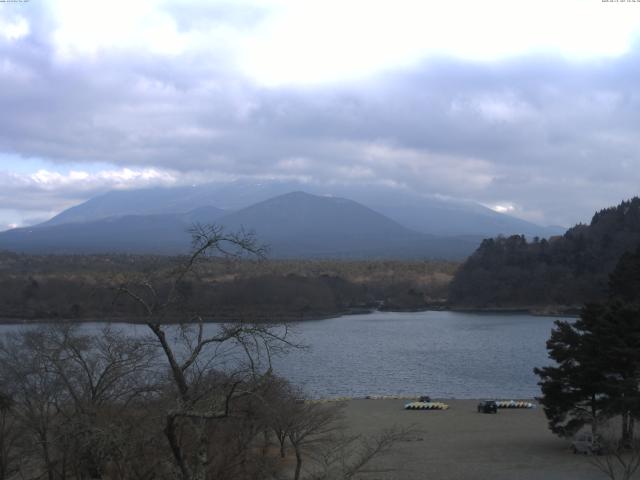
597,375
624,281
614,332
563,271
573,390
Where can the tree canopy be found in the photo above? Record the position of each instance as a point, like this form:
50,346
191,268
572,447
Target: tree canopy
567,270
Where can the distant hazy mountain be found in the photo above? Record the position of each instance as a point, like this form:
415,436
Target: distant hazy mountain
300,224
426,214
293,225
165,234
148,201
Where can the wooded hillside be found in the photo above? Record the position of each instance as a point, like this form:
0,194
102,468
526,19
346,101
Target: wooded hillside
567,270
82,287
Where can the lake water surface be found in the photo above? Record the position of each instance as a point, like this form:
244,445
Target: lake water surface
437,353
442,354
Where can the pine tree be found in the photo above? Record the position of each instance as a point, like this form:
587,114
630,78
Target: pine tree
615,331
573,390
624,281
597,375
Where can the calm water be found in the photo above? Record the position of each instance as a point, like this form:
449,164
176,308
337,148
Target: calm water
442,354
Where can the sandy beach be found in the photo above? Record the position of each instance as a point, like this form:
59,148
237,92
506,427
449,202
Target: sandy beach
459,443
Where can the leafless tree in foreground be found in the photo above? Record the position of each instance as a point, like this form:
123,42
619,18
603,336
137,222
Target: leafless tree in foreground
214,371
311,428
71,394
8,436
349,456
188,401
314,433
618,460
224,394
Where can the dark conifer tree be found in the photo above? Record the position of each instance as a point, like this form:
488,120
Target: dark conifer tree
573,390
614,332
624,281
597,375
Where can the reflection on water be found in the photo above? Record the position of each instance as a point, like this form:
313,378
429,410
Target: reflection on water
442,354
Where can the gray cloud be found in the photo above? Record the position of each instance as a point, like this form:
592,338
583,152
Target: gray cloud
554,139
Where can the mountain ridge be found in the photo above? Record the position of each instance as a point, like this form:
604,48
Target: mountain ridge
426,214
296,224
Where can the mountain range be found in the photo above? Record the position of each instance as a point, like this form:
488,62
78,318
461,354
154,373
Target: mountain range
291,223
424,213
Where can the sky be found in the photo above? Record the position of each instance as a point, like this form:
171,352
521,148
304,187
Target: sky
529,108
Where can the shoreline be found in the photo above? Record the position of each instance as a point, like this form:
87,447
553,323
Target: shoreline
549,311
569,312
415,398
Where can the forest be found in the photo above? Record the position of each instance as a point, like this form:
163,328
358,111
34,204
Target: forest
83,287
562,272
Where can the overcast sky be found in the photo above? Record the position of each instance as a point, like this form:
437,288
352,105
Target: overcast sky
531,108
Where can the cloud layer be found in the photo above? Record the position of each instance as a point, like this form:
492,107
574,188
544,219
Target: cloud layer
538,135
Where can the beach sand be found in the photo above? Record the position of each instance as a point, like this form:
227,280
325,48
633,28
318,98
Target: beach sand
460,444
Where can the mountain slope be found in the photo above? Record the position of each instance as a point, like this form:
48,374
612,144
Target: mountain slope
148,201
165,234
439,216
292,225
300,224
567,270
423,213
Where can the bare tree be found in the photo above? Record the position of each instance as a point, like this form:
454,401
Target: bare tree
70,393
210,368
319,440
348,456
282,407
189,400
312,424
8,436
617,459
101,374
37,393
109,367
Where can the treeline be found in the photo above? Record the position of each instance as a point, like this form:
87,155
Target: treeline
564,271
83,287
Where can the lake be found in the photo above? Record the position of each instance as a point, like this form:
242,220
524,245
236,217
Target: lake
438,353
